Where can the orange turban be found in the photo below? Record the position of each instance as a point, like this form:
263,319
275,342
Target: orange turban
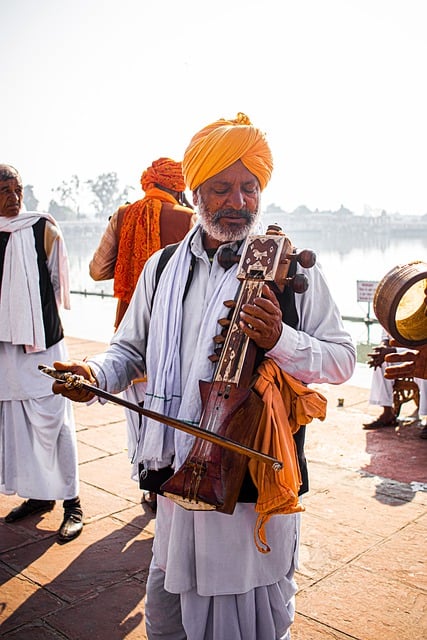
165,172
220,144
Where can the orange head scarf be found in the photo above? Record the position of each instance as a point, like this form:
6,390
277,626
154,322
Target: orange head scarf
220,144
165,172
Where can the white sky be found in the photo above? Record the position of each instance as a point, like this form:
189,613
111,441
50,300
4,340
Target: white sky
339,86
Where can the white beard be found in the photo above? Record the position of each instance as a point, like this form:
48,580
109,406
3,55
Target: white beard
214,229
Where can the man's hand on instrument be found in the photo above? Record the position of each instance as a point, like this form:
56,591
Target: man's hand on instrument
79,368
406,364
262,321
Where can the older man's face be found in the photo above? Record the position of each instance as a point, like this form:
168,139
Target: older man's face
11,194
229,204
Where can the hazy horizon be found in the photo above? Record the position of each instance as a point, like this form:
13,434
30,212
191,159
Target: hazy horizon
92,87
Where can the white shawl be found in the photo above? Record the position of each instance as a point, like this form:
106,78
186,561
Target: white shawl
21,317
165,395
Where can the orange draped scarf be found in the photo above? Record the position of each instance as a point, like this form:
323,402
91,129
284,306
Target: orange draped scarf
288,404
139,239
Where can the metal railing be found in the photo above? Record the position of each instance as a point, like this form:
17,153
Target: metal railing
102,294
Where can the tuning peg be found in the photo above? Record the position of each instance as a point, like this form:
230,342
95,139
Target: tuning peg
274,230
224,322
306,258
219,339
298,282
214,357
230,304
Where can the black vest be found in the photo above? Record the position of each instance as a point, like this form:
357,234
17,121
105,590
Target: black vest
248,493
51,321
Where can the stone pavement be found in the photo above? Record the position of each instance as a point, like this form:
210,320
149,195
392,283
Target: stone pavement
362,573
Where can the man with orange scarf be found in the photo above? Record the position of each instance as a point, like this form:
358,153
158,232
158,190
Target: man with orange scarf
208,580
136,231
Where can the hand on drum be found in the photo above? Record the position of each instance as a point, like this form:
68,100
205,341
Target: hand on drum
406,364
79,368
376,357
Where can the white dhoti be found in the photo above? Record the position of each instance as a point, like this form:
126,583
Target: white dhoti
38,447
422,385
381,389
199,573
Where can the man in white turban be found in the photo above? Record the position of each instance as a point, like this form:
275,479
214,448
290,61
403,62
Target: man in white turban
208,580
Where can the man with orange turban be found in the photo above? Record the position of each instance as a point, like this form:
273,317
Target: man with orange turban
208,580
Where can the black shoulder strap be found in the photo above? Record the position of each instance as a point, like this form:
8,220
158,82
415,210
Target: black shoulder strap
167,253
165,256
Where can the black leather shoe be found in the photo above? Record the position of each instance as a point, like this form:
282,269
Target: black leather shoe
380,423
71,527
29,508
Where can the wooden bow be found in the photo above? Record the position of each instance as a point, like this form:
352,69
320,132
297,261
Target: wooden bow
73,381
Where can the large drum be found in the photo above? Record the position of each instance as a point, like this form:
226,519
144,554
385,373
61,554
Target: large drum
400,303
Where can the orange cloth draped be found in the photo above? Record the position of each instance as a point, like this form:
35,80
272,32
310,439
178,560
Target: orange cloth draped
288,404
220,144
139,239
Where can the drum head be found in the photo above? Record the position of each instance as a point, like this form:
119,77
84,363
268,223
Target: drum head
400,303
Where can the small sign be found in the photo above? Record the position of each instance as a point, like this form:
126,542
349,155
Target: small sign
366,290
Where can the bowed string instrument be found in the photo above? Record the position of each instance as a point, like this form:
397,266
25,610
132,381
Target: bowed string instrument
213,472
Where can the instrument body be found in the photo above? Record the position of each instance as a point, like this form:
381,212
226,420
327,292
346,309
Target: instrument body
211,477
400,303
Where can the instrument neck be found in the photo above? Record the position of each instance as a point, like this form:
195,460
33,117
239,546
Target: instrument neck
238,354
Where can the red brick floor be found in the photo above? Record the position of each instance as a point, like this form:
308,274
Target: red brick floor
362,572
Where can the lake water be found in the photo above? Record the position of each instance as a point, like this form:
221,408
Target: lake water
344,259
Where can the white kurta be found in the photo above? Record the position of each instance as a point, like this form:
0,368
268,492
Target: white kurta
209,551
38,449
135,393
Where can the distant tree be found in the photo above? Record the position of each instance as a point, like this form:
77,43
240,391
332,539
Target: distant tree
273,208
70,194
343,211
30,201
61,212
302,210
108,194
